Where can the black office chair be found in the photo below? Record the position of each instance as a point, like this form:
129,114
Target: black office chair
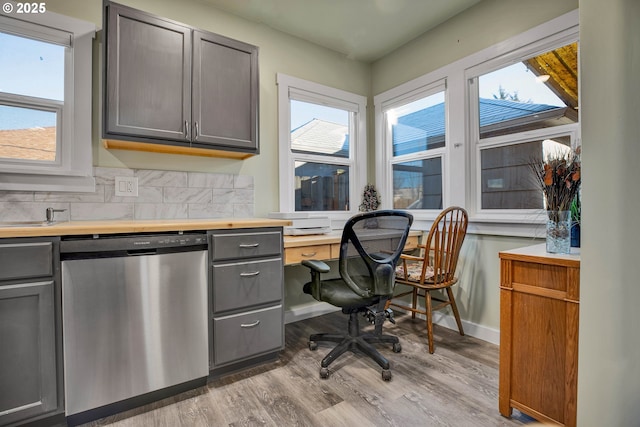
369,250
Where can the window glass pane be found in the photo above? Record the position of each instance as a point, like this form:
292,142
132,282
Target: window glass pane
31,67
321,130
507,180
418,126
418,184
321,187
539,92
27,134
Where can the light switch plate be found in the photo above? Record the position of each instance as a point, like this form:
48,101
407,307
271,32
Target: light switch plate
126,186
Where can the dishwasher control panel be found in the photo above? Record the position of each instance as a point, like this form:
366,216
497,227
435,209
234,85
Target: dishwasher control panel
107,243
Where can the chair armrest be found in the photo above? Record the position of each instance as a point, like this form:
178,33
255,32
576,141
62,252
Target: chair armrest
315,265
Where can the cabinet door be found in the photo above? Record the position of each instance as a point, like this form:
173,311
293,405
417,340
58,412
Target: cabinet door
225,92
27,353
148,76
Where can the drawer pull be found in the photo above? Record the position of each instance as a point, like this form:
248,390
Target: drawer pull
253,273
249,245
250,325
308,254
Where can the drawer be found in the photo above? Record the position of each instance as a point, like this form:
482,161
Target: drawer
243,284
297,255
245,245
247,334
22,260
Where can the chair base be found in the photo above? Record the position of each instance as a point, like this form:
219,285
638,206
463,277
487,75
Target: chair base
353,342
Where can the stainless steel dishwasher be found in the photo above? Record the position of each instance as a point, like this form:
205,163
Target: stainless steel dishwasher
134,316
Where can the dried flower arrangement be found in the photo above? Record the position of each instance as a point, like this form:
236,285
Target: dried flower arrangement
370,199
559,178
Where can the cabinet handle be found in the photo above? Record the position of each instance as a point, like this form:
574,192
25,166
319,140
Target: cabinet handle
196,132
253,273
307,255
250,325
249,245
186,129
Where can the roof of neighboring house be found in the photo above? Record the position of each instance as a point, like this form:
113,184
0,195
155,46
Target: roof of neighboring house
319,136
33,144
413,131
427,126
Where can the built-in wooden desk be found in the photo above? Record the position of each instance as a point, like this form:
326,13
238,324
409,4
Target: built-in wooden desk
327,246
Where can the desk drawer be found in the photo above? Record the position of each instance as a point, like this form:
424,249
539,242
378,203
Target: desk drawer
247,334
245,245
243,284
297,255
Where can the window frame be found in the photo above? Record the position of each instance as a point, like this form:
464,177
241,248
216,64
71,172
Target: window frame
461,169
302,90
477,144
73,168
384,175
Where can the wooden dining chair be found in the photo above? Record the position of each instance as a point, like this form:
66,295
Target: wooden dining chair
434,269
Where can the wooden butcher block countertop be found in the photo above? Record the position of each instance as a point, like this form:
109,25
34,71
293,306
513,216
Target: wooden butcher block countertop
70,228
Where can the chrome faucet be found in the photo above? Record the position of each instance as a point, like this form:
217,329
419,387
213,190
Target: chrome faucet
51,212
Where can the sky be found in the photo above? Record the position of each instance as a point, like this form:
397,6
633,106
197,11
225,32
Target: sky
32,68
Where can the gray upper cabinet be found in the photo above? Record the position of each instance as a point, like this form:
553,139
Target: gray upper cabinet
168,83
225,91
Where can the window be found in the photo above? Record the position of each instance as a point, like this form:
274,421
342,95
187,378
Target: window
415,128
45,103
522,110
465,133
322,138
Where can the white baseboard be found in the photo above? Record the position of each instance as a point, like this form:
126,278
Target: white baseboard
475,330
448,321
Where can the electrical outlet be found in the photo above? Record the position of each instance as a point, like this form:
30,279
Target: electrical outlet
126,186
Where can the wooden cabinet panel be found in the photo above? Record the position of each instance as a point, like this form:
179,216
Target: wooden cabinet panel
539,305
29,328
225,92
247,290
148,77
170,84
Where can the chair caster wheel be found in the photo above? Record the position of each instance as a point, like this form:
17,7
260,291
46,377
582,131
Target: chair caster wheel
324,373
386,375
397,348
313,345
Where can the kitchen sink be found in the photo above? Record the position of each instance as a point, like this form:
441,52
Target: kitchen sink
25,223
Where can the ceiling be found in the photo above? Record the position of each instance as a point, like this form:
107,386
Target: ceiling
363,30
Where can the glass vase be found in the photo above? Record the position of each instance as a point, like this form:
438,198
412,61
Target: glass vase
559,232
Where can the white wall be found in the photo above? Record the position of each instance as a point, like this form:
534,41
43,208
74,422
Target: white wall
609,351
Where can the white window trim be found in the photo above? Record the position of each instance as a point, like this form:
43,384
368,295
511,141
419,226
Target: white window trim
74,170
384,174
462,152
317,93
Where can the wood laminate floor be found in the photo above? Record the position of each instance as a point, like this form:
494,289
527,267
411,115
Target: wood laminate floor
455,386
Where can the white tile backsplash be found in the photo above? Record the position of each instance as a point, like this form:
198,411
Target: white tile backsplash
161,195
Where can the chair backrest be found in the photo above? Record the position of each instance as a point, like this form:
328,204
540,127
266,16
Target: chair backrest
443,243
371,245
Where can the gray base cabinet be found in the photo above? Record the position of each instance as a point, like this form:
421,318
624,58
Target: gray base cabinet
169,83
30,364
247,291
